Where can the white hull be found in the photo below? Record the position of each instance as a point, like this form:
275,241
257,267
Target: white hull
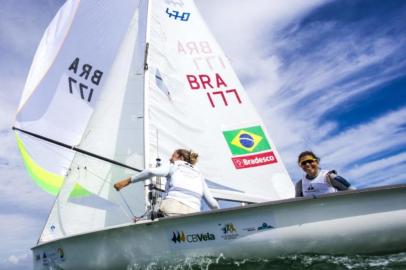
370,221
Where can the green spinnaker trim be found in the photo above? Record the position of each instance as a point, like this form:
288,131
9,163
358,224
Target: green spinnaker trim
48,181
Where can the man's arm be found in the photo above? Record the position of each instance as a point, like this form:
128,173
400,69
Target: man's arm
148,173
338,182
208,197
163,170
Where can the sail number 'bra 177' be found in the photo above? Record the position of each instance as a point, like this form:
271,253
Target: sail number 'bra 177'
85,91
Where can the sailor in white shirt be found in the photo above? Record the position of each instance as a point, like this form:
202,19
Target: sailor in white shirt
316,181
185,185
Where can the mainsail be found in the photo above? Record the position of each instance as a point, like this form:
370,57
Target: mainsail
133,81
196,101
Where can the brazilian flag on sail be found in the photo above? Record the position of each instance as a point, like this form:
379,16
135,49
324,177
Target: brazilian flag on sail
246,140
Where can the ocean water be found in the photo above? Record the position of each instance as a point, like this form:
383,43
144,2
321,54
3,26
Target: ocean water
295,262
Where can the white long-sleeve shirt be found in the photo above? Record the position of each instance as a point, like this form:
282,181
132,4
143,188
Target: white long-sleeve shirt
185,183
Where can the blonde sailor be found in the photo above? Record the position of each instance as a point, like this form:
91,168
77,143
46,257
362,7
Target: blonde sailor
185,185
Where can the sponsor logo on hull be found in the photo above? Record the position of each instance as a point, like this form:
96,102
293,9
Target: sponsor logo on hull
51,258
181,237
229,231
264,226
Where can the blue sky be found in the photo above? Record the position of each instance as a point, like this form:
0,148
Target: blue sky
325,75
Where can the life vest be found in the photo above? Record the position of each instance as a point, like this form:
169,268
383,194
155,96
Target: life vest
317,186
185,184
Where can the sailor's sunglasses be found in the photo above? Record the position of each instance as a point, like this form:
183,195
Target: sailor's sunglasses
309,161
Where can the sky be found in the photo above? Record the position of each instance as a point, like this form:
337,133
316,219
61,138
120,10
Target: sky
327,76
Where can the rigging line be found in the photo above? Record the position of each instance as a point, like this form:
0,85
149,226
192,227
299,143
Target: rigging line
124,211
97,177
46,145
73,163
101,179
59,154
87,153
77,149
125,201
157,144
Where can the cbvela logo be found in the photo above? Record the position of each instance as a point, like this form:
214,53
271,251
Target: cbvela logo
181,237
249,147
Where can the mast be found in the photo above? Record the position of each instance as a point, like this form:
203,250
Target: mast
146,103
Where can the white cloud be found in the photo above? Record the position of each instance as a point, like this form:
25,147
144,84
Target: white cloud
325,72
15,259
339,68
250,18
17,18
241,26
244,29
350,148
20,233
349,151
383,171
374,137
24,206
18,188
20,261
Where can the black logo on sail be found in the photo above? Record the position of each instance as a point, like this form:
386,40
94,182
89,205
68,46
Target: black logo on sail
181,237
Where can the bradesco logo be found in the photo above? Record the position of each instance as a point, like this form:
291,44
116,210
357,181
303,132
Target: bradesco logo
249,147
181,237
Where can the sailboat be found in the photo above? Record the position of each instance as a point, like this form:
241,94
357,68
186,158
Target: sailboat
115,87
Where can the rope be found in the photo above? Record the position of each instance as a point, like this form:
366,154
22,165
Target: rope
125,201
97,177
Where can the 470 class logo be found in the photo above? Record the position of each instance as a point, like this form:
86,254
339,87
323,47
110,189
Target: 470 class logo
249,146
